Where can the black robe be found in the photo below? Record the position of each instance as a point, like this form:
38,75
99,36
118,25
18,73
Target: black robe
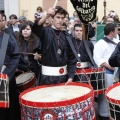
84,57
11,61
51,58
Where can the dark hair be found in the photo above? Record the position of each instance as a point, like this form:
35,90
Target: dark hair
32,40
39,8
110,27
77,25
60,10
3,15
13,15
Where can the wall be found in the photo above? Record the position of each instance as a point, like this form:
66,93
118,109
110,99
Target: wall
11,7
50,3
28,8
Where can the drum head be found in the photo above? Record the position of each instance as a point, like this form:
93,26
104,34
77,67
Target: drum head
113,93
56,93
25,77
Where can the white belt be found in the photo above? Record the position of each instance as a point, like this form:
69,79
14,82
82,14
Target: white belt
54,71
3,68
83,64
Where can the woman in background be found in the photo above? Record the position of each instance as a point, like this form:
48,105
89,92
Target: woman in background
30,48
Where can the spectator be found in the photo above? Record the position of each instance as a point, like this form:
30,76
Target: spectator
38,14
22,19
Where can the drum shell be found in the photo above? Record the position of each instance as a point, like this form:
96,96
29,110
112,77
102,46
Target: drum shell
4,91
55,108
96,76
113,104
27,84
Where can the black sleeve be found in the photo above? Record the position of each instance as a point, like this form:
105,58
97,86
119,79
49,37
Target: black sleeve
114,60
71,64
91,46
38,30
11,58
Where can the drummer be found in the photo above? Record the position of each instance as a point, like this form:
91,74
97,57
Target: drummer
58,60
30,48
85,61
10,64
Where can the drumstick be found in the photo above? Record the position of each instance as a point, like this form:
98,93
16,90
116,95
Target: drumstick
55,4
27,53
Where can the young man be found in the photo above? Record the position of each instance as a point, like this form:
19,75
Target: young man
10,64
58,60
102,51
79,44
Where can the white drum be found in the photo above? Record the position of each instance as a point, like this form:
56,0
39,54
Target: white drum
113,99
58,102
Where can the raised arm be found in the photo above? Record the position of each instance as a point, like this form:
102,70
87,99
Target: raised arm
50,12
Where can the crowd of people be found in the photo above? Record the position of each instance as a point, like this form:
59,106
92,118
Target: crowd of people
46,47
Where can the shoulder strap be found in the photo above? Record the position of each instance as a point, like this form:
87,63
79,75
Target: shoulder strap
109,41
89,53
72,47
3,49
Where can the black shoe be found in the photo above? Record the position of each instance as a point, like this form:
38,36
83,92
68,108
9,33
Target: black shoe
96,99
103,118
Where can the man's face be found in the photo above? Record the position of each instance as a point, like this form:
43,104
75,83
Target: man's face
76,21
66,21
1,22
78,33
58,21
75,14
13,20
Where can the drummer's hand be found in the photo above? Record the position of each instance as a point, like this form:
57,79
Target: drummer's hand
37,56
69,81
51,12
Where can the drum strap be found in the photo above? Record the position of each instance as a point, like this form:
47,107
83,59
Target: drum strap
3,49
72,47
89,53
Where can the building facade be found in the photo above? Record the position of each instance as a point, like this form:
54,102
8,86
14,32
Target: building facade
28,7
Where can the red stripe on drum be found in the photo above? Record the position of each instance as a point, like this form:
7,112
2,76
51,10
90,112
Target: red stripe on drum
4,104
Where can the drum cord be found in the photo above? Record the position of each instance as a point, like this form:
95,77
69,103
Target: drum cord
92,98
96,72
85,74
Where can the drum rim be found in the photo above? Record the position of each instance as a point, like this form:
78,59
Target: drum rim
90,70
4,104
3,76
25,81
58,103
112,100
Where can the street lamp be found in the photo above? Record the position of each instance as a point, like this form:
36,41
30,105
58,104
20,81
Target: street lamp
104,4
